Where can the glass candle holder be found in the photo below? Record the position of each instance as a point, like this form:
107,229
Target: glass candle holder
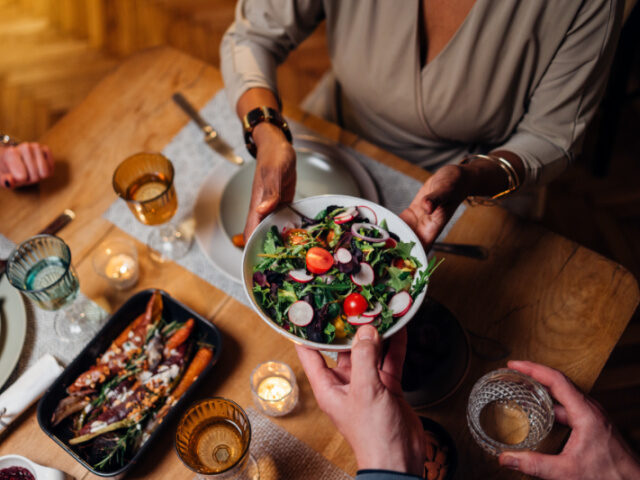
508,410
274,388
117,261
213,439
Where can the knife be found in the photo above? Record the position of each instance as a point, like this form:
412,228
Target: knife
58,224
211,137
472,251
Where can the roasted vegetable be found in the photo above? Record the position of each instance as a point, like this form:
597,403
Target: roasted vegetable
132,386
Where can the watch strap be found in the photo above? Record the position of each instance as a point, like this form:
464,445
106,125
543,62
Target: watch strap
256,117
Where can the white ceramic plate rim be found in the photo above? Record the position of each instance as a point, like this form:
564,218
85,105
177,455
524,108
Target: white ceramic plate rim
14,330
324,200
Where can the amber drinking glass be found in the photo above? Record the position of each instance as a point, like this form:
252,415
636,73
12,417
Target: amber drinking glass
213,439
145,182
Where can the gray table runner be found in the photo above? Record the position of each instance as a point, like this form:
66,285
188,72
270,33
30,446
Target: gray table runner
193,160
281,456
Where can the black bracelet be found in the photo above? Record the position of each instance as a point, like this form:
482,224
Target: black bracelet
257,116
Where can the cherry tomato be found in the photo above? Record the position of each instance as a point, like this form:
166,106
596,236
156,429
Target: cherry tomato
319,260
405,265
354,305
390,243
296,236
398,262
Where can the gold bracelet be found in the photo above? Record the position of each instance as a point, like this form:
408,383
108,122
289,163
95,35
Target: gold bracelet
505,165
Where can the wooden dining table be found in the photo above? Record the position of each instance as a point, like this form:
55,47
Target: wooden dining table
542,296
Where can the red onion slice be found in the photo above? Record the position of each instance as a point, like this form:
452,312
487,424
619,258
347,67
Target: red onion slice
369,226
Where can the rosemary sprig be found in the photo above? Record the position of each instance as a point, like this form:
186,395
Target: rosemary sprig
121,447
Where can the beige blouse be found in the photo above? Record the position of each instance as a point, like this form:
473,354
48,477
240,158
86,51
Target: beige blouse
520,75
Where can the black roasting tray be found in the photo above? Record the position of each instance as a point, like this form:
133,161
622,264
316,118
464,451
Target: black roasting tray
173,310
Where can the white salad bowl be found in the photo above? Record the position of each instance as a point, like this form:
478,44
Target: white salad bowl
310,207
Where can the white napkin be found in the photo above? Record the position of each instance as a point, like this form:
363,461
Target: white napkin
27,389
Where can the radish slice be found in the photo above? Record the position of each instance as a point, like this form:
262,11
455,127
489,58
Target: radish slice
368,213
359,320
346,216
300,275
374,312
300,313
365,276
384,235
400,303
343,255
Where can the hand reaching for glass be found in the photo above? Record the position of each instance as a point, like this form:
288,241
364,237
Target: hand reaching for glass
24,164
364,400
595,450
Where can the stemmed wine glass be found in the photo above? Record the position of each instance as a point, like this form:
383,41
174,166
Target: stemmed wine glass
145,182
40,267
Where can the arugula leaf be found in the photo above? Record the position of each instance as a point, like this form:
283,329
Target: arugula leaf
330,332
423,277
386,320
367,292
272,241
287,293
263,295
349,329
399,279
402,250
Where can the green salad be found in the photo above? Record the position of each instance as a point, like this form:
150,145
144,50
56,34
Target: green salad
337,271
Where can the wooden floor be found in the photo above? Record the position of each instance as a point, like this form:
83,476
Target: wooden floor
54,51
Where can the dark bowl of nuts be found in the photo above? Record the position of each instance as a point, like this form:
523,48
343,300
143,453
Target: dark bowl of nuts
441,454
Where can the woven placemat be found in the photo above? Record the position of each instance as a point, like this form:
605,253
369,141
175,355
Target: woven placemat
193,160
41,337
281,456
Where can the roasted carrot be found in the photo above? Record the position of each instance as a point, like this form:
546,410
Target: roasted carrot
200,361
179,337
151,315
103,370
238,240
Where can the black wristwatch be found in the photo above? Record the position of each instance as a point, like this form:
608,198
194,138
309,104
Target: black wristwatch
257,116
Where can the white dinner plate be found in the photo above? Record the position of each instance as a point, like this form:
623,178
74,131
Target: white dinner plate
323,167
13,317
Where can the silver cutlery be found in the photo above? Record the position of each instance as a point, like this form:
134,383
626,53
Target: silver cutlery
471,251
58,224
211,137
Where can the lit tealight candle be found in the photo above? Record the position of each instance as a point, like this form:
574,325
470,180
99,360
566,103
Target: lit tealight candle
117,261
274,388
121,267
